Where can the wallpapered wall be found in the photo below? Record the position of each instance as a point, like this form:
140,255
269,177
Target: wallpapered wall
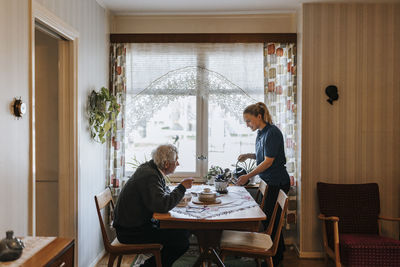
355,140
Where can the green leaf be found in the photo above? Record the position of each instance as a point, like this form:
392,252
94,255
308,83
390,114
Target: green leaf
107,126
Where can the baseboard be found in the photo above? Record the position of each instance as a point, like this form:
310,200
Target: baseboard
308,254
98,258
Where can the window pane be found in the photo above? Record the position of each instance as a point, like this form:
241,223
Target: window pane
228,136
239,83
173,122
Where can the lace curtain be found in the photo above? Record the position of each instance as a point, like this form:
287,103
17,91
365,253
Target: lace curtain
228,76
175,70
281,99
116,144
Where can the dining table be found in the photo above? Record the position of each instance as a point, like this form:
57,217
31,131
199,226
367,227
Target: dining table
235,210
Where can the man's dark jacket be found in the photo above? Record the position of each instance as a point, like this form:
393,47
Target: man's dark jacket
143,194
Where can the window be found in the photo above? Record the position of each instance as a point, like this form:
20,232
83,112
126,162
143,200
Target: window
193,96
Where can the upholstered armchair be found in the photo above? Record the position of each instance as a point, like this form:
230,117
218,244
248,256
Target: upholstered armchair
351,226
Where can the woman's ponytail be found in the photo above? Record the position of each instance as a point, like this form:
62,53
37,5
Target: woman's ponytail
259,109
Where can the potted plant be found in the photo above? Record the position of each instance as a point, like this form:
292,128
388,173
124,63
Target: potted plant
222,181
103,110
244,167
212,173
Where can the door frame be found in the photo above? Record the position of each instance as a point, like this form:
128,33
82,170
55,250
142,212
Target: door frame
69,123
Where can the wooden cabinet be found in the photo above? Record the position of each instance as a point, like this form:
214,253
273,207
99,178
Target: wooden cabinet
59,253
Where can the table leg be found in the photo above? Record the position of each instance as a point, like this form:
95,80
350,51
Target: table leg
208,241
209,256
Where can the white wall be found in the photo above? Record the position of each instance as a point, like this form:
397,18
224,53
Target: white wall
92,23
265,23
14,134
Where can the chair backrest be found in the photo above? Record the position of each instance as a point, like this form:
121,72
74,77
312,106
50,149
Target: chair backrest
356,205
102,200
262,192
282,203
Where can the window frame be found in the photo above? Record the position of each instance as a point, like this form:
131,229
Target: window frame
201,101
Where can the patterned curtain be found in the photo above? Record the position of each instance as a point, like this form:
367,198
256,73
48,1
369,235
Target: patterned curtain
116,149
280,96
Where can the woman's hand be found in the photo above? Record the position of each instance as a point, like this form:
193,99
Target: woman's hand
243,157
242,179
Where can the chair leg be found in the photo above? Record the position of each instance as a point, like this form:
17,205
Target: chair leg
111,260
222,256
269,262
337,260
157,255
119,261
204,264
258,260
326,259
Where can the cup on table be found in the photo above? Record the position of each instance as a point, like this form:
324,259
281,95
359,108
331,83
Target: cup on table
186,199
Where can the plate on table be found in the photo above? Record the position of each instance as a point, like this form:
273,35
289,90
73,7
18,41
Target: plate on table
198,202
182,204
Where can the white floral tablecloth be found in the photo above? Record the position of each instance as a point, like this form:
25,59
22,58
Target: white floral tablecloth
235,200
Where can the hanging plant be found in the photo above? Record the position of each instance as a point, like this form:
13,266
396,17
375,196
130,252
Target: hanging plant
103,111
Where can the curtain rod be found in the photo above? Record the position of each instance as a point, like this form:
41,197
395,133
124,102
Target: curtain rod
203,37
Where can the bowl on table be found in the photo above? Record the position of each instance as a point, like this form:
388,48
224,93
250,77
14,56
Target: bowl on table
207,196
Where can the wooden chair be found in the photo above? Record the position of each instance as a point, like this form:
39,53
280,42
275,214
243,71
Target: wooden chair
115,248
351,226
256,245
261,195
260,199
262,192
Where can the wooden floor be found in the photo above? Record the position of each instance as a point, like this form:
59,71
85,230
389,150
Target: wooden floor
126,261
290,259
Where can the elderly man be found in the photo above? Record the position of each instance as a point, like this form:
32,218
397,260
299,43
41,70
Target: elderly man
145,193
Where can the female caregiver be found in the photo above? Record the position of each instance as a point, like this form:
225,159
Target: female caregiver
271,160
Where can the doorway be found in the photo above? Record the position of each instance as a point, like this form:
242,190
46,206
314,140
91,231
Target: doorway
46,131
54,124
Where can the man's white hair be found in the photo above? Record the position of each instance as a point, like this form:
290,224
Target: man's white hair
163,154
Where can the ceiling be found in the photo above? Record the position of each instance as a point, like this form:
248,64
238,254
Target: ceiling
182,7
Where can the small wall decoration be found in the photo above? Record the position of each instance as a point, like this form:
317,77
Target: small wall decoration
332,92
18,108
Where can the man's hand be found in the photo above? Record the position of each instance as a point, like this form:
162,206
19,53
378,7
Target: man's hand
242,180
187,182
